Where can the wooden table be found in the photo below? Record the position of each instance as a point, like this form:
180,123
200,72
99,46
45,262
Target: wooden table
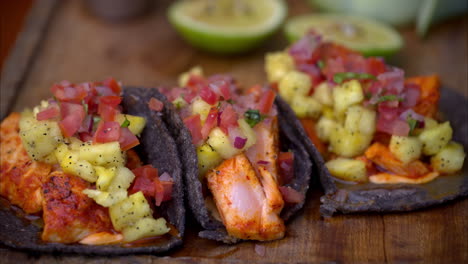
62,40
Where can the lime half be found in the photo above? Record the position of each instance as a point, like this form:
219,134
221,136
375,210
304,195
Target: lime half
367,36
227,26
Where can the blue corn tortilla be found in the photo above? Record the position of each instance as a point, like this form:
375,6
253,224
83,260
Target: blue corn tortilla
158,148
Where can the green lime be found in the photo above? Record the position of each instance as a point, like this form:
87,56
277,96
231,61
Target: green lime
367,36
227,26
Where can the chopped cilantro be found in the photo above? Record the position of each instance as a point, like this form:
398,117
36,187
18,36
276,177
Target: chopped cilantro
321,64
342,76
253,117
126,122
389,97
96,120
413,123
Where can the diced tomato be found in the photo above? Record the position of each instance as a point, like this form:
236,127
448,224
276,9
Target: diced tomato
127,140
266,102
49,113
210,122
85,136
155,104
309,127
430,94
144,178
195,82
375,66
189,95
225,90
158,191
72,117
290,195
286,166
111,100
227,119
133,160
113,85
107,112
193,123
167,185
208,95
393,126
256,91
107,132
69,93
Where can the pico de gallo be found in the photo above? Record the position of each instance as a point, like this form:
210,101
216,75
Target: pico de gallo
367,119
71,160
237,143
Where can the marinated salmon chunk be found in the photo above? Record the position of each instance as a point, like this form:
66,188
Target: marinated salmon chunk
249,205
70,215
20,178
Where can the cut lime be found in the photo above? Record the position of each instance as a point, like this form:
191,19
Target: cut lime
227,26
367,36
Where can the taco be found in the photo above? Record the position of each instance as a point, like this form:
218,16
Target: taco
385,146
246,170
86,167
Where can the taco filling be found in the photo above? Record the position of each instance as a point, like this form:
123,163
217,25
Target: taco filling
240,164
72,161
369,122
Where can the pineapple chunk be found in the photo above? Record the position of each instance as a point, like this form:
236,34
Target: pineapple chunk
85,170
347,94
248,132
323,94
360,119
449,159
106,199
145,227
306,106
184,77
406,149
105,177
67,159
328,112
199,106
39,138
435,138
429,123
348,169
208,158
348,144
128,211
220,142
294,83
107,154
324,128
137,123
122,180
277,65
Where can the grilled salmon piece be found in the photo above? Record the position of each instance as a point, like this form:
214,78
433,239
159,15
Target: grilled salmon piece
20,178
70,215
248,205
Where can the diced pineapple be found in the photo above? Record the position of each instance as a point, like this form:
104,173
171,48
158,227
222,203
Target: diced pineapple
294,83
39,138
347,94
306,106
248,132
429,123
74,143
43,105
328,112
208,158
435,138
184,77
323,94
449,159
128,211
105,177
107,154
137,123
69,159
324,128
406,149
277,65
360,119
106,199
199,106
348,144
145,227
348,169
122,180
85,170
220,142
179,102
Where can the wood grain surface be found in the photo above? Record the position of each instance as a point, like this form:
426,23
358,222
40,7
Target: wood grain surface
71,44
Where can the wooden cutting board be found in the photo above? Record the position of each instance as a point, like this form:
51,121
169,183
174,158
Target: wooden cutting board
63,41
